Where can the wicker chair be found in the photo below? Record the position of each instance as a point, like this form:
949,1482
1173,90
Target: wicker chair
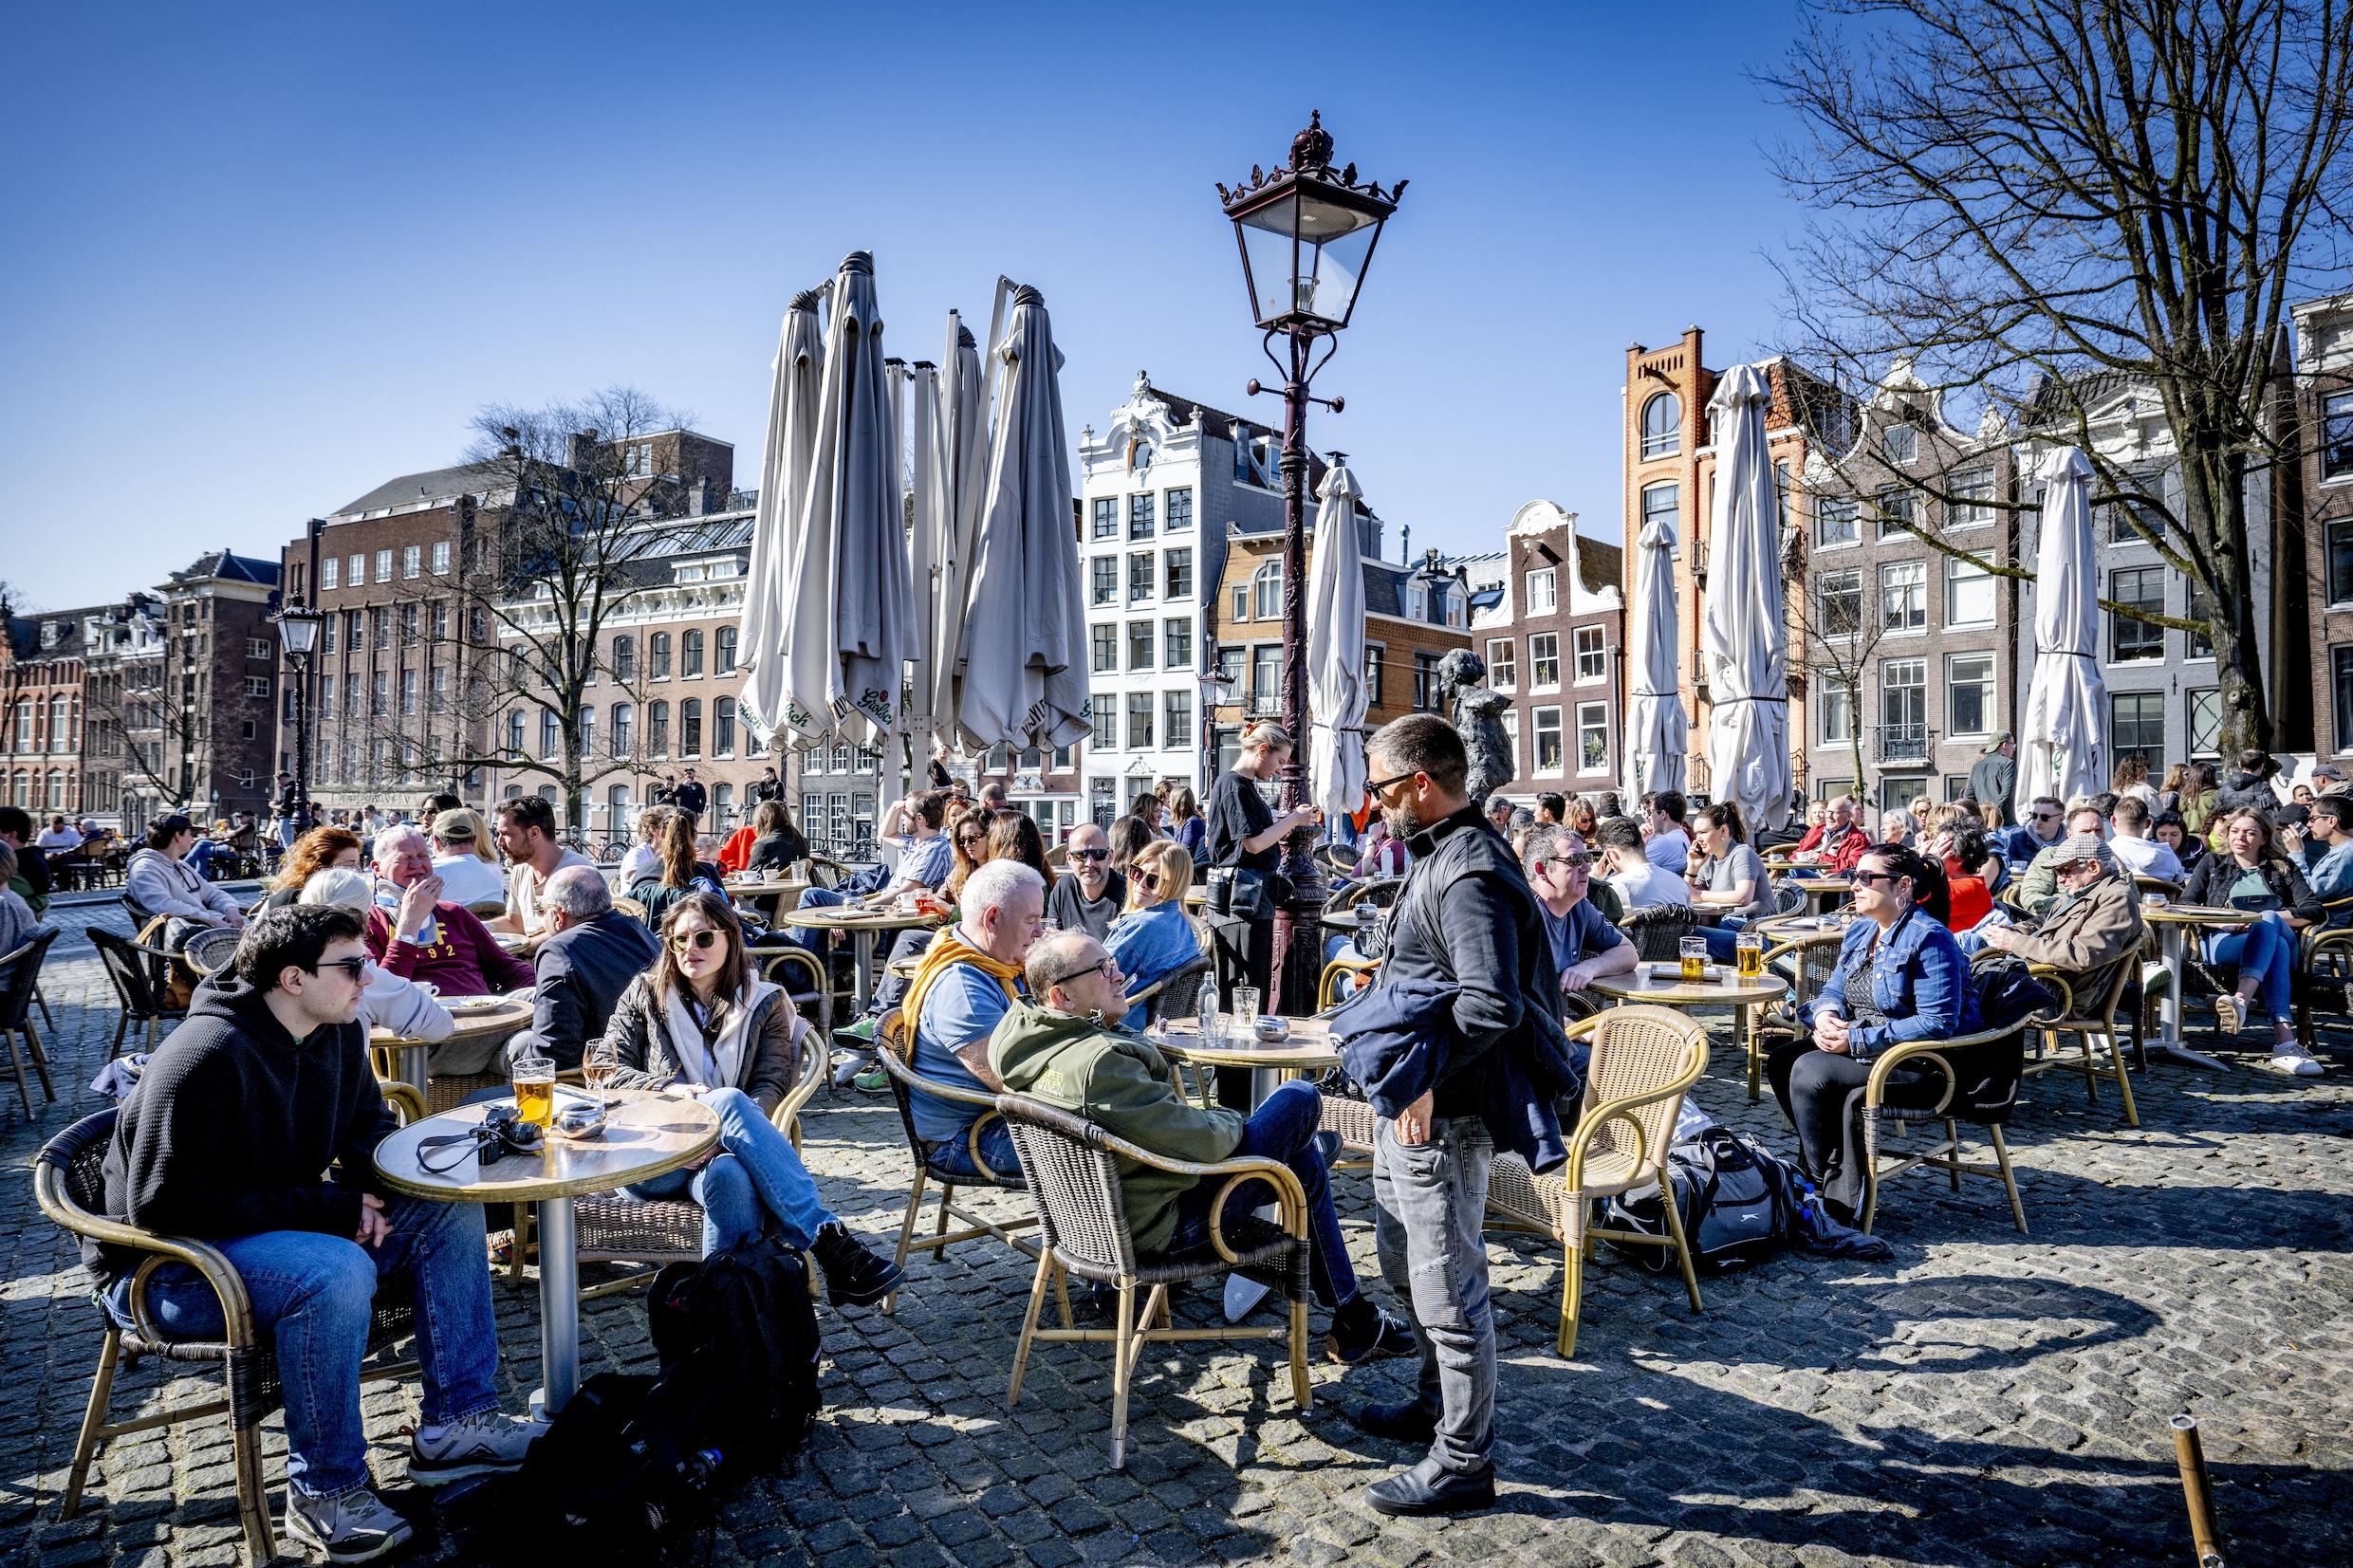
1644,1060
20,982
2098,1021
894,1048
68,1184
1657,932
1789,898
1809,960
210,949
1328,991
1946,1157
1379,890
2146,885
1075,1175
137,972
2327,967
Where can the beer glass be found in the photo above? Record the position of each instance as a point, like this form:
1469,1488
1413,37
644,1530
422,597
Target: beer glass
1694,951
1245,1008
1749,953
534,1080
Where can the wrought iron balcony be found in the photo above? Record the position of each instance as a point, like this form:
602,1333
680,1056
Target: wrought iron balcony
1266,705
1900,745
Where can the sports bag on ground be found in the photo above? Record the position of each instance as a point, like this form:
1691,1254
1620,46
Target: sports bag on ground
1734,1215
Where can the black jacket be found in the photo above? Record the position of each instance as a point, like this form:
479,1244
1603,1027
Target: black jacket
2240,791
767,789
778,849
691,796
2209,884
1467,917
583,970
233,1122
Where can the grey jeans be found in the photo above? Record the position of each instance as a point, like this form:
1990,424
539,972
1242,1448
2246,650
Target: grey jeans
1432,1200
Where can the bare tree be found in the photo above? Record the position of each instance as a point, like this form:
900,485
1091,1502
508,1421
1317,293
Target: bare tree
2048,202
1843,623
134,697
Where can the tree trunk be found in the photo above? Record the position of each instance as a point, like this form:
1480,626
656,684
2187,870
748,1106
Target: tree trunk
2213,505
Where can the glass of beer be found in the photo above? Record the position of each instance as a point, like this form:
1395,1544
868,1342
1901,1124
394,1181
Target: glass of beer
1748,953
1694,951
534,1080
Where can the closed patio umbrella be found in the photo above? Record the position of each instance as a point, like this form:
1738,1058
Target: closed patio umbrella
1658,733
1023,642
1336,692
1743,640
2064,730
776,522
963,464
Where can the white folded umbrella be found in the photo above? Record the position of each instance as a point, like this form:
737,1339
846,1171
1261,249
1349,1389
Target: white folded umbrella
2063,733
963,463
1336,694
776,521
1658,731
1743,640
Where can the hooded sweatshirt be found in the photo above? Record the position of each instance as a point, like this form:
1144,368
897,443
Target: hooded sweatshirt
233,1124
1114,1079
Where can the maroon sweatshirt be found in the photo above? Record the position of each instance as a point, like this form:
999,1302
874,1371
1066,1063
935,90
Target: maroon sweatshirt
466,960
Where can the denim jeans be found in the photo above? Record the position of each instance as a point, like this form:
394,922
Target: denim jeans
313,1295
2265,952
1431,1200
758,1173
997,1147
1283,1127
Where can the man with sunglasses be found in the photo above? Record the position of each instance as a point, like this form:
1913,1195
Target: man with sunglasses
1585,945
263,1088
1092,895
2045,826
2039,887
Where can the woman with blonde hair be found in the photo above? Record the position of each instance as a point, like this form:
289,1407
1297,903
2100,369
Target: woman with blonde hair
681,872
644,856
1154,939
968,836
321,849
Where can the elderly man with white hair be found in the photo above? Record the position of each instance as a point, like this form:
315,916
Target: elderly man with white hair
969,979
584,968
413,933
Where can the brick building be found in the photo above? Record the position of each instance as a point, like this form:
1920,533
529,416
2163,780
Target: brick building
2324,398
43,716
1551,628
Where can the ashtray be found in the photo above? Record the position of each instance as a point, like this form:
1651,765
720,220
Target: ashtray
1270,1028
576,1122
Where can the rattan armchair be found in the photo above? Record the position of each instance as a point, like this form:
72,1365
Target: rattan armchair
1946,1157
20,983
137,972
1327,990
211,948
1075,1176
2099,1021
68,1185
1644,1060
2326,969
1657,932
1809,960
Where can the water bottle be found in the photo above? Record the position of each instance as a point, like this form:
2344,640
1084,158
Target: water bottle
1208,1012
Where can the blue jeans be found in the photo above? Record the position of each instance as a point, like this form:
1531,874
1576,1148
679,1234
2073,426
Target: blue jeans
313,1295
997,1147
1283,1127
1722,940
758,1173
2265,952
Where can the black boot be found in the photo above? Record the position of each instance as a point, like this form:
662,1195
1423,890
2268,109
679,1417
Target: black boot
1428,1491
854,1276
1412,1422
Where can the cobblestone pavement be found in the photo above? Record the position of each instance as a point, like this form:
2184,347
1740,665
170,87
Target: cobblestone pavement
1987,1397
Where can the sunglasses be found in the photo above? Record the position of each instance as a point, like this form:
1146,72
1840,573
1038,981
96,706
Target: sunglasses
1148,881
699,940
356,968
1091,854
1382,786
2044,815
971,838
1879,877
1106,969
1574,862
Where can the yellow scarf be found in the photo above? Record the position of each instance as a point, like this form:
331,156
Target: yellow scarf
946,950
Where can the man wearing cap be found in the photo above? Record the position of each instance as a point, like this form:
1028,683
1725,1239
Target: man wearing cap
2094,925
1997,773
466,878
2038,885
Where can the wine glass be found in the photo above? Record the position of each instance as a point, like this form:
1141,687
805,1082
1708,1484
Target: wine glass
596,1071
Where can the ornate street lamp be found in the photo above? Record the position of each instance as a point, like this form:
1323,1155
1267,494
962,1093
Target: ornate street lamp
1307,235
298,627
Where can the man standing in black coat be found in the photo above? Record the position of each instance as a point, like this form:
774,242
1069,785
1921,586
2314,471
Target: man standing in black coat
584,968
691,796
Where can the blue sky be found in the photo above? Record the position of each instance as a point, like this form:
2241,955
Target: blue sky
260,260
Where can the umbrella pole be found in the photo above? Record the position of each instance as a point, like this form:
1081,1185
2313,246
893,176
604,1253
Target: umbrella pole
1298,921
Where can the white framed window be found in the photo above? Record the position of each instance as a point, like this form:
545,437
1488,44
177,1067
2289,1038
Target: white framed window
1662,426
411,560
1241,602
1592,655
1543,662
1660,505
1139,577
1549,754
257,686
1179,513
1592,737
1973,495
1839,595
441,559
1176,735
357,577
1894,508
1105,579
1838,522
1511,733
1178,563
1968,593
330,572
1503,670
384,566
1139,706
1903,595
260,648
1899,444
1176,641
1543,592
1836,705
1140,645
1266,591
1106,517
1969,703
1105,635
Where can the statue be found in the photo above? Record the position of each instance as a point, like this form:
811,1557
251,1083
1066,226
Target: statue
1477,713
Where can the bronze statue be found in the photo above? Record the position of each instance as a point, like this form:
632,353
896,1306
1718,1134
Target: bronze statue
1477,715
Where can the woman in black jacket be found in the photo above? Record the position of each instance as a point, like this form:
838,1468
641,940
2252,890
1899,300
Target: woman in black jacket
2251,873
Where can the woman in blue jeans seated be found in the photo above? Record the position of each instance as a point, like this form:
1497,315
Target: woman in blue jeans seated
701,1023
1725,877
2251,873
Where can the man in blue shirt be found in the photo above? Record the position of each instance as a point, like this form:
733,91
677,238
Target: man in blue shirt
925,858
969,978
2331,876
1585,945
2045,826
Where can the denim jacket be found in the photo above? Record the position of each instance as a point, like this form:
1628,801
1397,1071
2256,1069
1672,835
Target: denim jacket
1918,978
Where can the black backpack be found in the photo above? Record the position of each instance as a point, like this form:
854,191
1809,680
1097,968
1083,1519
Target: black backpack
1734,1213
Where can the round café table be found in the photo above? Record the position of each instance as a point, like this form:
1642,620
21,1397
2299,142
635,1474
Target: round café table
1670,990
476,1018
646,1134
862,924
1822,892
1310,1049
2174,922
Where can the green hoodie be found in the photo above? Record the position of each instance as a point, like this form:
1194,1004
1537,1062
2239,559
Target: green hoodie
1114,1079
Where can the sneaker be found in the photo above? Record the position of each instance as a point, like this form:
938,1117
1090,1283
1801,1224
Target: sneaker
486,1443
2290,1059
1385,1336
1410,1421
851,1066
2230,1012
875,1082
861,1031
352,1526
854,1276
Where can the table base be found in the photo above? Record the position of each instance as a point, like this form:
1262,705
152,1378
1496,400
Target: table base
1243,1294
558,1305
2170,943
2186,1057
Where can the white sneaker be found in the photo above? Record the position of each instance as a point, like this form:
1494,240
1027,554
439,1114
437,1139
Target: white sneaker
486,1443
353,1526
2293,1060
2230,1012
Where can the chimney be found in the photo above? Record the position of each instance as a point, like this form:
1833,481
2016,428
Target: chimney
698,500
1405,541
580,451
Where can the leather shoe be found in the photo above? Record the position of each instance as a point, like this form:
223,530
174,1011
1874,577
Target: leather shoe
1411,1422
1428,1490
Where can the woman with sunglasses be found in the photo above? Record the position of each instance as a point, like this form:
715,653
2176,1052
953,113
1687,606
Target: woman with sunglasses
1153,940
968,837
701,1022
1899,977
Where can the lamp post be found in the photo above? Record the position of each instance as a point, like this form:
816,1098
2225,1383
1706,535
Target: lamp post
298,626
1307,235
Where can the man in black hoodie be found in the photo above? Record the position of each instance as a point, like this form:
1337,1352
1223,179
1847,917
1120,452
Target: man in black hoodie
223,1140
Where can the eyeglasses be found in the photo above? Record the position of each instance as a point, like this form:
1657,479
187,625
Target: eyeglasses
1382,787
1091,854
356,968
1574,862
699,940
1148,881
2044,816
1109,967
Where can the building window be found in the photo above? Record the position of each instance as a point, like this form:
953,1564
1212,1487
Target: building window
2143,588
440,621
1140,645
1898,445
723,808
1659,505
408,692
1662,436
1893,509
1968,593
1241,602
550,735
658,727
1541,597
691,654
1425,681
1972,496
379,620
1544,660
1106,517
658,656
384,566
1138,720
440,689
725,660
2337,436
1837,521
1840,595
2205,715
2200,643
1903,708
1592,653
1548,756
1177,642
1179,732
691,728
1140,516
1592,737
1903,595
408,626
383,690
2139,727
357,576
1267,590
1180,585
1139,577
1837,705
1104,581
723,727
622,716
587,733
260,648
440,557
411,560
1267,678
330,572
624,658
1179,518
1106,636
1968,694
1106,736
1374,660
257,686
1503,673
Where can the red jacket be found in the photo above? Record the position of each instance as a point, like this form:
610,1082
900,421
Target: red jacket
1850,850
465,960
1812,841
736,853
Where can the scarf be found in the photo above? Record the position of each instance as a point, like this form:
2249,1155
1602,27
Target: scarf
718,1064
947,949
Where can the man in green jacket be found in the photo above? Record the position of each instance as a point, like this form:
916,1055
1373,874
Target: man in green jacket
1066,1049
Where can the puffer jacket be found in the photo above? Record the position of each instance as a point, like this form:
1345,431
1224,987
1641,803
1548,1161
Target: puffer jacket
2243,791
637,1038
